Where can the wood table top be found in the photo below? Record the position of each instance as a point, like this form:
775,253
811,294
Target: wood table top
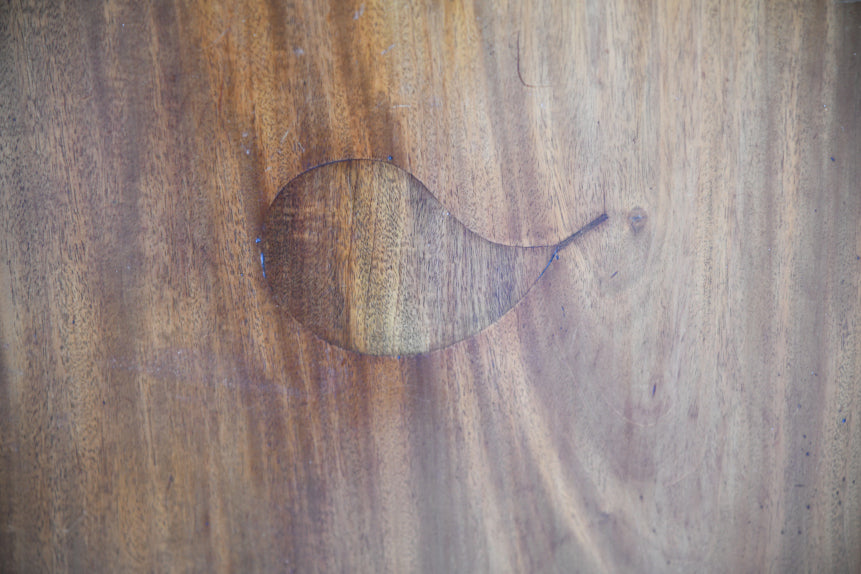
430,378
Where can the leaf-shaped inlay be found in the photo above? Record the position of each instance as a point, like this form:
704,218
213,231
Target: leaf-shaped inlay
365,256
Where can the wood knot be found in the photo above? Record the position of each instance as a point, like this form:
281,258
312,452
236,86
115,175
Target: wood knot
637,219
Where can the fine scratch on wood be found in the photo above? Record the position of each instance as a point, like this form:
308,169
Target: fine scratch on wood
72,525
568,240
220,37
628,419
520,74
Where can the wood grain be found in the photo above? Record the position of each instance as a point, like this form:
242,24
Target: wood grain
679,393
362,254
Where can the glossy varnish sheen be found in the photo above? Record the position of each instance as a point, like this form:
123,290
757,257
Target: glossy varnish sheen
678,392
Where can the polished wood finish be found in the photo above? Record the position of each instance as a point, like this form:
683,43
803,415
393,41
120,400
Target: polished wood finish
679,392
361,253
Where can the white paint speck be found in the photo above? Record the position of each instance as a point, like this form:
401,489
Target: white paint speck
358,13
386,51
298,51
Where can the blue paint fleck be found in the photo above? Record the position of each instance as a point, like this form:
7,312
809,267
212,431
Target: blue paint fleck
832,158
257,240
390,158
263,266
844,421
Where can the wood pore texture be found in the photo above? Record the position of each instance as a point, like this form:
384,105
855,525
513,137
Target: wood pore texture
678,393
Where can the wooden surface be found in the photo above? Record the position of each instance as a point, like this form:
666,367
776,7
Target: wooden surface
679,392
362,254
